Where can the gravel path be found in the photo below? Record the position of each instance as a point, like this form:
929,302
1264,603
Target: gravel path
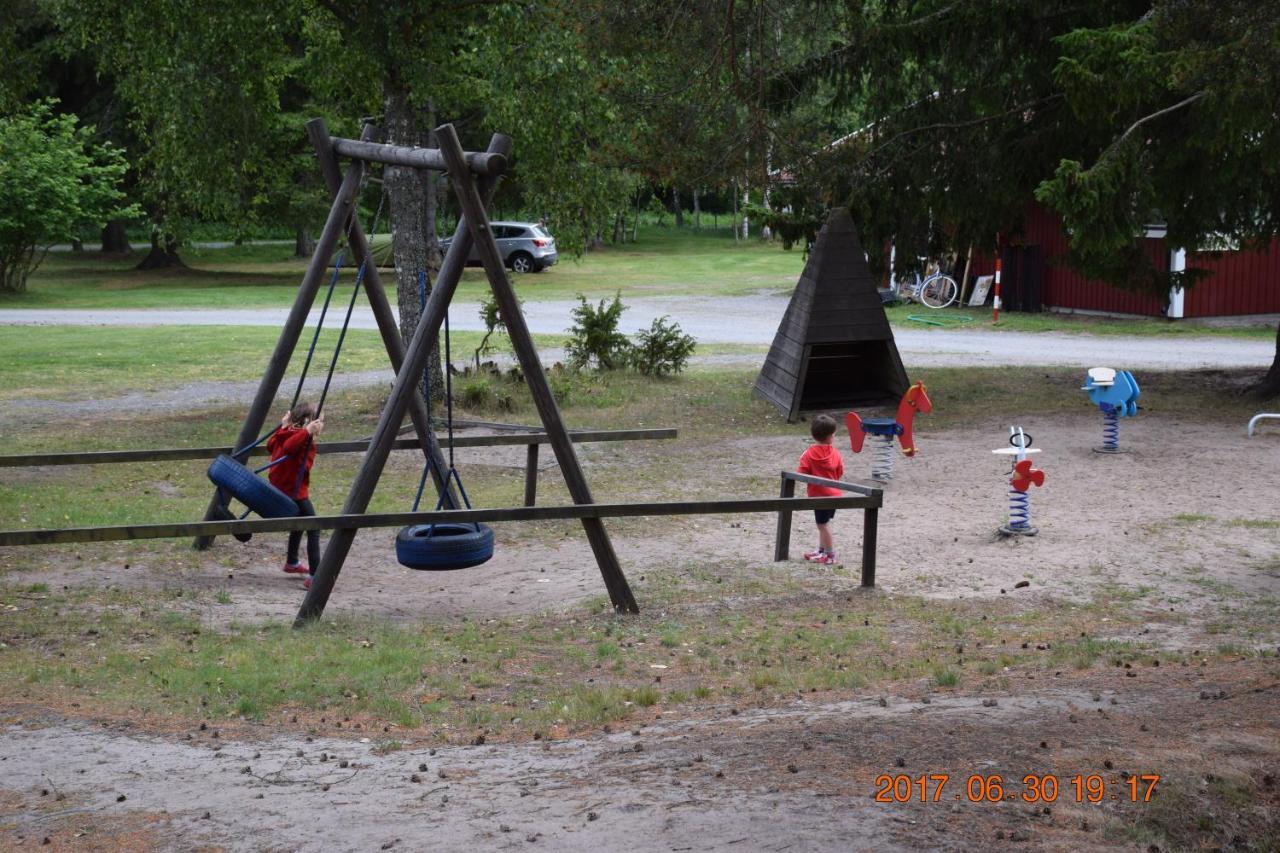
754,320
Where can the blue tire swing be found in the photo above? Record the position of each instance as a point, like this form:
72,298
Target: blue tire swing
232,477
442,547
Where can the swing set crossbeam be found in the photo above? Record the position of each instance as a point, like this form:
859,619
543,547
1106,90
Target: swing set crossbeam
115,533
487,163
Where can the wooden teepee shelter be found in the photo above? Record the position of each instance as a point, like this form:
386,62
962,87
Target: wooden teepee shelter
834,348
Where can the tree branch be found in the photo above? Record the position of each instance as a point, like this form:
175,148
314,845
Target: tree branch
1137,124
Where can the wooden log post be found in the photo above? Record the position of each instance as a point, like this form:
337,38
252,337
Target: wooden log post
339,212
531,475
472,204
318,133
870,516
384,435
782,541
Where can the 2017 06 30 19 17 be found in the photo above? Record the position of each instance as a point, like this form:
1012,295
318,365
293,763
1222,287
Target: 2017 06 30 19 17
1030,788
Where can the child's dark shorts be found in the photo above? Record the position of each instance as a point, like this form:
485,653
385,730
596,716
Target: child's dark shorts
822,516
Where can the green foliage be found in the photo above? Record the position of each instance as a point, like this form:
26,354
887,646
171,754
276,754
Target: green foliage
1181,102
594,337
662,349
55,182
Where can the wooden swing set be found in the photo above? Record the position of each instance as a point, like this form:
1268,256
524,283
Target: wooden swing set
474,176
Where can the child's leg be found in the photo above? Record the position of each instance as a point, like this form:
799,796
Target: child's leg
824,538
291,555
305,507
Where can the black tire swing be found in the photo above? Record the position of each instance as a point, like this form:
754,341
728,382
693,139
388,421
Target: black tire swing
232,477
442,547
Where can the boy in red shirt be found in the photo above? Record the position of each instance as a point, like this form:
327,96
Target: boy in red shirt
821,459
294,443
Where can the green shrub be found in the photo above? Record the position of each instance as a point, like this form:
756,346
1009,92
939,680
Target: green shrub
594,336
661,349
475,393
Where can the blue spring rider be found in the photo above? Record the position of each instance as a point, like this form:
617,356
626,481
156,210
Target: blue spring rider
1115,393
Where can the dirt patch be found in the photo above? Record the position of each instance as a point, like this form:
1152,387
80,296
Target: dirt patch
802,776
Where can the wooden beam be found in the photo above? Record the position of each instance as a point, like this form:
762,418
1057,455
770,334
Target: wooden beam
472,204
834,484
782,539
531,476
115,533
870,518
489,163
178,454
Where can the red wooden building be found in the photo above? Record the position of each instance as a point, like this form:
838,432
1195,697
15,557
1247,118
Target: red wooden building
1035,277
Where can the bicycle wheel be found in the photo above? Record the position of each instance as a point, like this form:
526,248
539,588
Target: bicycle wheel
939,291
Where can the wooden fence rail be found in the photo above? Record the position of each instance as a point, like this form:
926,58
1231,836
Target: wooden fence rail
62,536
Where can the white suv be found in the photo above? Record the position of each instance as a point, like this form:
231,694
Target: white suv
524,246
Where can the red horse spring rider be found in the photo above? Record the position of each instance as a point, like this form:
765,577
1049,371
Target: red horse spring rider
884,429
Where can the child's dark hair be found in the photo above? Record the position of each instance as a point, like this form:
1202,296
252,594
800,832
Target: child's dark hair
301,413
822,427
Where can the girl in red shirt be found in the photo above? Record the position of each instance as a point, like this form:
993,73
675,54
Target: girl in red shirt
821,459
294,444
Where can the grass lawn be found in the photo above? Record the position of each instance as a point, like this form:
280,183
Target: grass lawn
78,362
664,262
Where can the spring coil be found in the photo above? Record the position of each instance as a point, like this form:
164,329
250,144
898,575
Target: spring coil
882,463
1110,428
1019,510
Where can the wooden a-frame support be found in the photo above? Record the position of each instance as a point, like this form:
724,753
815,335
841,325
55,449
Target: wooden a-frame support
473,230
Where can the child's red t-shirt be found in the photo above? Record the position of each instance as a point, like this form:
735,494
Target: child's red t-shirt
822,460
292,476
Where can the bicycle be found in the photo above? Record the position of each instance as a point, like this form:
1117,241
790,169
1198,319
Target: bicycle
935,290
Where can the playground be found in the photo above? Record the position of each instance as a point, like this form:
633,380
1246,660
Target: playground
610,628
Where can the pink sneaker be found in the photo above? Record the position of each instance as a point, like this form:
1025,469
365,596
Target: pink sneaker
812,556
306,583
295,569
826,559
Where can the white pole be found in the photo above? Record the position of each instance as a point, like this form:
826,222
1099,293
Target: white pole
1177,263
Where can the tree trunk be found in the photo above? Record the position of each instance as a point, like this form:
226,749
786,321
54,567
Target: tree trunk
115,240
77,245
697,212
635,223
677,208
413,244
304,245
163,254
619,226
1270,385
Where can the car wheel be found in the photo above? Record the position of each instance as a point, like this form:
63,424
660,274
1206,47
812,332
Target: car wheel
522,262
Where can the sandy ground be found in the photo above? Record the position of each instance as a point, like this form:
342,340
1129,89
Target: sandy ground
1105,522
801,777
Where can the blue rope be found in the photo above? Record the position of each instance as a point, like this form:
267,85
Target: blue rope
342,336
444,502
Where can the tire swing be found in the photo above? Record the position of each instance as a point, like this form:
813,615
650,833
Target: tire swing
443,547
232,477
